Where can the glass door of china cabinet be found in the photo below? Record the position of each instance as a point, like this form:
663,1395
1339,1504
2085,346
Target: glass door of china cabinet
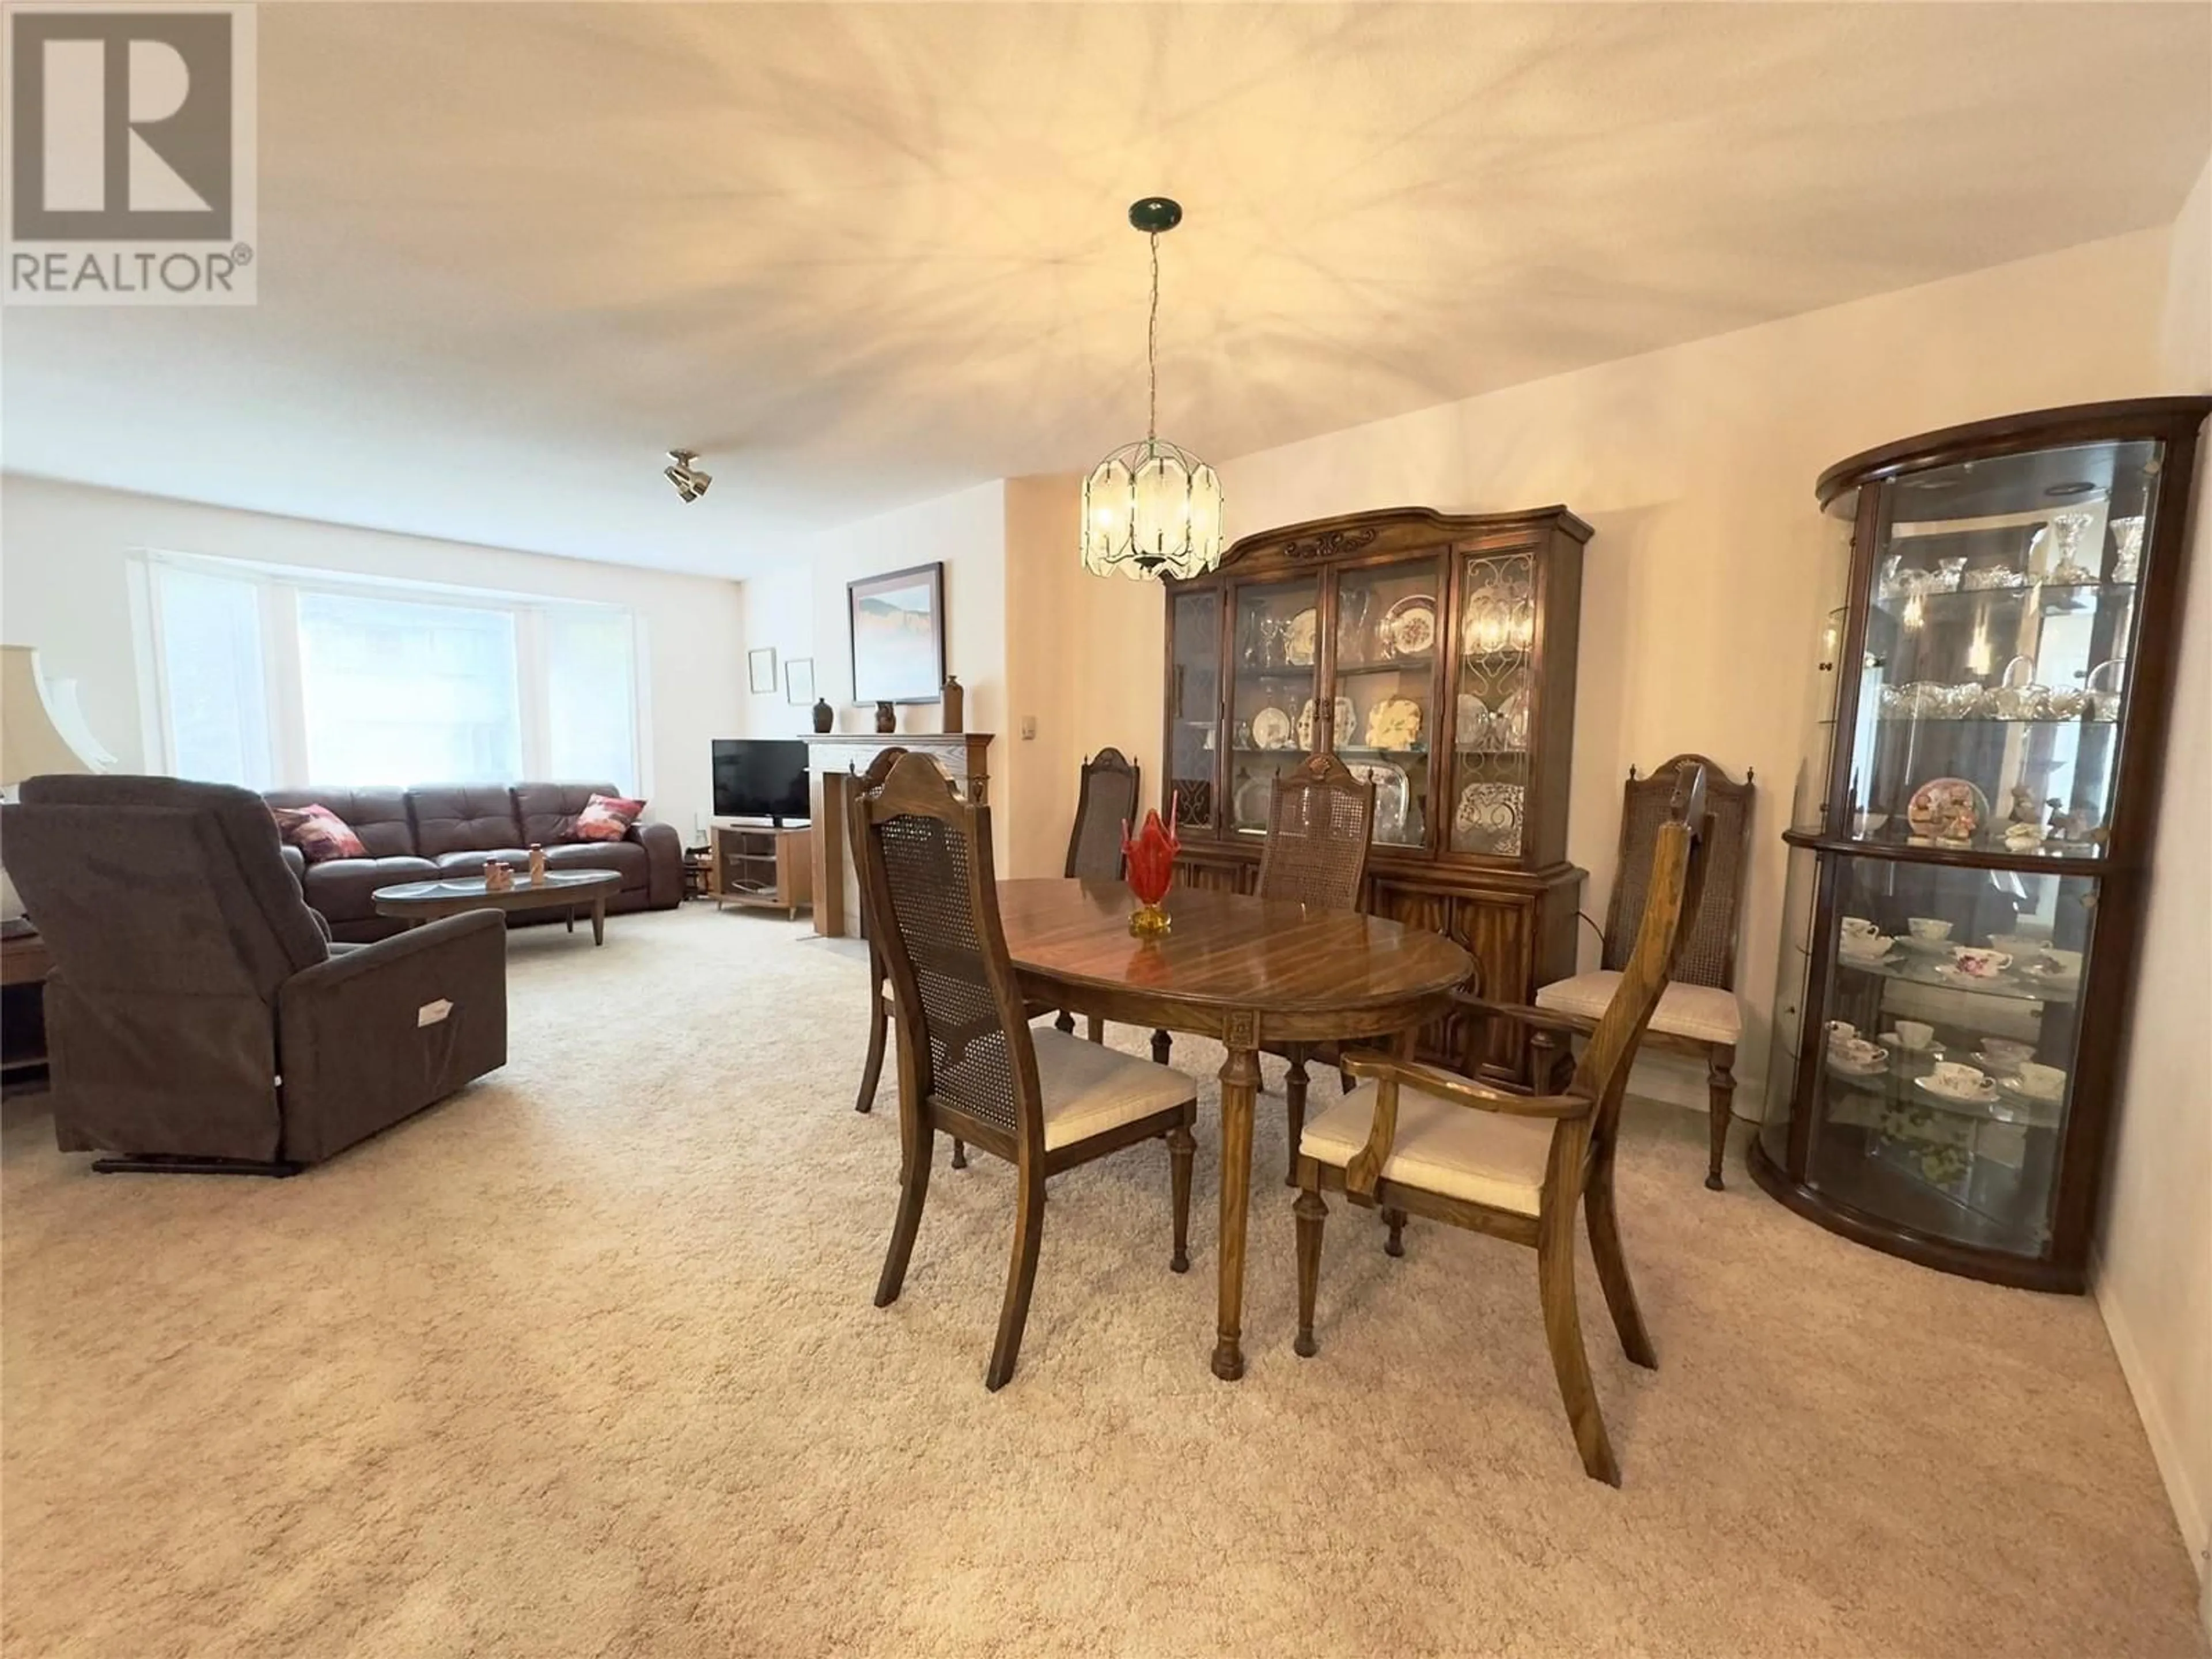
1965,889
1194,694
1493,703
1389,621
1275,658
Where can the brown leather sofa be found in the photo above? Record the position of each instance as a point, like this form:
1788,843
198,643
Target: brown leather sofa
429,830
198,1018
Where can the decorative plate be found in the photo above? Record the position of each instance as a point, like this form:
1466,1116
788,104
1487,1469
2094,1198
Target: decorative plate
1298,639
1272,729
1254,797
1409,627
1391,796
1981,1097
1946,809
1394,723
1310,712
1488,819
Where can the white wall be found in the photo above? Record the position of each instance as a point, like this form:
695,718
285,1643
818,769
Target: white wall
2154,1267
64,588
1696,465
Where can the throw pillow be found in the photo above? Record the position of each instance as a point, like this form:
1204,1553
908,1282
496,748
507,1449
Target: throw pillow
319,833
607,818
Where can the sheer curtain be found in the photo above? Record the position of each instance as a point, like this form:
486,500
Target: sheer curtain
393,690
268,676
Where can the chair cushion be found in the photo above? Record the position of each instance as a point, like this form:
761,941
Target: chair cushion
342,889
1088,1088
320,834
1703,1012
625,857
1458,1151
463,817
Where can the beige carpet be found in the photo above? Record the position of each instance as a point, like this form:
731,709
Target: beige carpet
584,1362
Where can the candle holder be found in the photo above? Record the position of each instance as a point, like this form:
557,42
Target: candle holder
1150,860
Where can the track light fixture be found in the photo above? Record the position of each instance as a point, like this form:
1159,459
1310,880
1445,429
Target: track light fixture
690,482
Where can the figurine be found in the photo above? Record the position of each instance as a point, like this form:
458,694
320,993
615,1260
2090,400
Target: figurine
537,865
498,878
2024,807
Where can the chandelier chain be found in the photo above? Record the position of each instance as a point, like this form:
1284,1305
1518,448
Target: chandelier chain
1152,350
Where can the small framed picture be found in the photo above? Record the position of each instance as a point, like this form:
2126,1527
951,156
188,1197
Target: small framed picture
761,665
798,681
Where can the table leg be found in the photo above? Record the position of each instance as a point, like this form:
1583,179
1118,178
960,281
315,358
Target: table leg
598,921
1240,1083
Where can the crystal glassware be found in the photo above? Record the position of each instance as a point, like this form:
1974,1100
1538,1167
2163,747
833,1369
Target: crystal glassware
2127,548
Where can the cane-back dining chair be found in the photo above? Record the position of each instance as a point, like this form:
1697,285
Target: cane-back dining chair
1320,820
1416,1139
879,982
1699,1015
1104,804
970,1062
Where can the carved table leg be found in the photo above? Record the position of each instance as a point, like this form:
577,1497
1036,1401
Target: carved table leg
1064,1023
1294,1102
959,1153
1240,1082
1162,1044
1720,1096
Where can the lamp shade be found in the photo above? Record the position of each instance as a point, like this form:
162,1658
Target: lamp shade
33,738
1151,509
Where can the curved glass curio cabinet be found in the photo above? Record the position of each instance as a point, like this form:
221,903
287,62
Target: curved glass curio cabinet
1969,843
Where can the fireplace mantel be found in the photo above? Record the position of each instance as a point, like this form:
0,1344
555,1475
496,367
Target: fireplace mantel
834,760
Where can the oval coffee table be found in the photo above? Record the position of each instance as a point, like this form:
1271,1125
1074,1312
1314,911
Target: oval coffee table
417,901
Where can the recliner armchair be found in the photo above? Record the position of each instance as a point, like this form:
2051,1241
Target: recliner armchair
197,1017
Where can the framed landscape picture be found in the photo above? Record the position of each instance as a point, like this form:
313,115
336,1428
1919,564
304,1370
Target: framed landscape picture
898,636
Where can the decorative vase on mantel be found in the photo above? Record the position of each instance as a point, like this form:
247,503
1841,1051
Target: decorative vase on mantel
955,699
886,717
825,717
1149,858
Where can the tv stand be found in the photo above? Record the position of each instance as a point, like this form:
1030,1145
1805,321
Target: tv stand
761,866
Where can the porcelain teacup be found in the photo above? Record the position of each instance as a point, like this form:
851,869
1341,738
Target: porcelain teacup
1929,927
1979,962
1914,1035
1859,927
1955,1077
2004,1051
2043,1082
1841,1031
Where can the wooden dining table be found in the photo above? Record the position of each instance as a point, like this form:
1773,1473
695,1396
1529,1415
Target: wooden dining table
1249,972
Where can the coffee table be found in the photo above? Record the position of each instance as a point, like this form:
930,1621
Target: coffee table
418,901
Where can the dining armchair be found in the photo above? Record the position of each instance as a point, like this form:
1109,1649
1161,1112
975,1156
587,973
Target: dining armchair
1105,803
1321,820
1415,1138
970,1062
1699,1015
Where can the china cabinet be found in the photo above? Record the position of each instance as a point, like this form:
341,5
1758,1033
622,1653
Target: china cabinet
1971,840
1435,655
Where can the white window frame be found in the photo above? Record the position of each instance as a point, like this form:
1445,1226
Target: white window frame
279,587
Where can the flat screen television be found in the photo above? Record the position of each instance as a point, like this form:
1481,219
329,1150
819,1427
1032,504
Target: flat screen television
760,778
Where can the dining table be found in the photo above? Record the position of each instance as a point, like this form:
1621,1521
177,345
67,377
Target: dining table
1248,972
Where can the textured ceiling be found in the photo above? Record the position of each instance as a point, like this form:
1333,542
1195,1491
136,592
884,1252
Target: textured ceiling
861,255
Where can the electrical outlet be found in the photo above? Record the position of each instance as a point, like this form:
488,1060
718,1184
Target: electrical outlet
1029,728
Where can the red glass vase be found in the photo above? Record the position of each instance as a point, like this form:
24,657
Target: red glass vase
1150,858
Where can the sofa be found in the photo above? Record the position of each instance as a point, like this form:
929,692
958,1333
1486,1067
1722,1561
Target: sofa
427,831
198,1019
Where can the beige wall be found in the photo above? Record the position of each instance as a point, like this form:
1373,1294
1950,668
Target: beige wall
1696,465
65,588
2154,1268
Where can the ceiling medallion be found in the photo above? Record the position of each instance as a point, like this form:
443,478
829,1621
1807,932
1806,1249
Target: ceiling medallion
1151,508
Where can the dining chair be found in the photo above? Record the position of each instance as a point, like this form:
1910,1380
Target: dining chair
1419,1139
1699,1015
1105,802
970,1062
879,984
1321,819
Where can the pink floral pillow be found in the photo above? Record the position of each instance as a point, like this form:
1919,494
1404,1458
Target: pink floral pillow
319,833
607,818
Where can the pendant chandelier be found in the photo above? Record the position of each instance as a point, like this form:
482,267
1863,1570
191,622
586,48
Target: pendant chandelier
1151,508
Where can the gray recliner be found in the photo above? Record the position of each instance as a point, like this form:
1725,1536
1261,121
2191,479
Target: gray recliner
197,1017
